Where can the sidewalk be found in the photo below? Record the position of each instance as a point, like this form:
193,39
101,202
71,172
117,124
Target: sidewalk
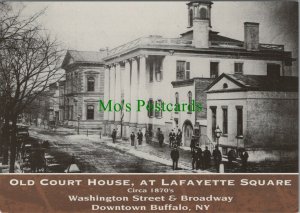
154,152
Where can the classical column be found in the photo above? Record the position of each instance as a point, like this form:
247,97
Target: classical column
106,96
134,93
118,98
142,94
111,114
126,84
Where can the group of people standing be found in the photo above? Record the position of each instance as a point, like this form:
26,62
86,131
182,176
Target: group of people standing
175,139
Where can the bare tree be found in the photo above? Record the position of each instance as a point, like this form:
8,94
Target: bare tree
29,61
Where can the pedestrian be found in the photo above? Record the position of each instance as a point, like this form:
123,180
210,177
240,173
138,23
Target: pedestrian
199,163
114,135
175,157
100,134
193,144
244,158
179,138
140,137
147,136
132,138
160,137
231,156
217,158
172,137
207,158
194,159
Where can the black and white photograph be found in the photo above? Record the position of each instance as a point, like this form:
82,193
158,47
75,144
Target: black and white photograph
149,87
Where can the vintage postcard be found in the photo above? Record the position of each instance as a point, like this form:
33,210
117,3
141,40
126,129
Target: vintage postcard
149,106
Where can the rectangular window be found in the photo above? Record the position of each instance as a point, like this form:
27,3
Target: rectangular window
151,71
238,68
90,112
188,69
239,112
213,121
158,114
151,109
158,69
225,120
273,70
180,70
214,69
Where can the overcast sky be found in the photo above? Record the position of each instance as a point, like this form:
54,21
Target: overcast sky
94,25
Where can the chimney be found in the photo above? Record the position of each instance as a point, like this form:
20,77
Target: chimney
251,36
200,32
104,51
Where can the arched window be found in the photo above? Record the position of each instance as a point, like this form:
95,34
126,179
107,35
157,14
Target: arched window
225,86
203,13
90,84
191,18
176,101
190,98
151,108
90,112
158,104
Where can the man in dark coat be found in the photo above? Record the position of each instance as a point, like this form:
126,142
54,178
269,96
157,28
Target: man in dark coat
114,135
160,137
231,156
179,137
217,158
194,159
244,158
199,158
132,138
172,137
193,144
175,157
140,137
207,158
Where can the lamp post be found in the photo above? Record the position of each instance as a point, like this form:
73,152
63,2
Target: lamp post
218,133
78,119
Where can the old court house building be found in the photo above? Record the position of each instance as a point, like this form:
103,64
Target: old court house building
173,70
157,69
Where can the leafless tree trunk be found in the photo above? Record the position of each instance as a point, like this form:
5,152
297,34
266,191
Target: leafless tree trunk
29,62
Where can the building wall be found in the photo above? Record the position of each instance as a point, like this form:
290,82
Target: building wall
270,123
78,96
201,96
183,98
200,65
231,100
273,118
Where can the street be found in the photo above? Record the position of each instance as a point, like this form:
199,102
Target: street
96,156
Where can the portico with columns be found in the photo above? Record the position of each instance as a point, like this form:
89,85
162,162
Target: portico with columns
125,82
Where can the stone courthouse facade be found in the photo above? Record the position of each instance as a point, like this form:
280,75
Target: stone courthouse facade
171,70
179,70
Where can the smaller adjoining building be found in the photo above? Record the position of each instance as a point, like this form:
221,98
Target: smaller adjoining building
192,122
256,113
83,88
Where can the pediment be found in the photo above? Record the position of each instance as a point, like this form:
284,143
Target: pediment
91,100
224,83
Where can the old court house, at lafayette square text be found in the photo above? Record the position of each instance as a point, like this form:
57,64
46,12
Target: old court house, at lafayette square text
178,70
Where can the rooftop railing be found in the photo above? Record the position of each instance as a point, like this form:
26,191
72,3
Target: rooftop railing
151,41
178,42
